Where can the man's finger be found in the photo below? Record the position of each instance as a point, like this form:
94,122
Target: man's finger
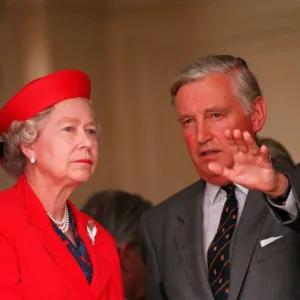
252,146
216,168
231,141
265,154
239,139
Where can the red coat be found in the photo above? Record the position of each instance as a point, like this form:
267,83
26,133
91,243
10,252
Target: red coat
36,265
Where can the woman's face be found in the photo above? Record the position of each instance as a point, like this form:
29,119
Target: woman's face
67,147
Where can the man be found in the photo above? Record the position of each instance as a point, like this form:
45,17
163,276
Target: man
218,238
119,212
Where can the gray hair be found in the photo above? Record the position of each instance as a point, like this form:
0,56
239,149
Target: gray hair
245,83
25,132
118,212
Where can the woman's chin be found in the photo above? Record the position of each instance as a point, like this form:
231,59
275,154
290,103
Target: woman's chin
81,177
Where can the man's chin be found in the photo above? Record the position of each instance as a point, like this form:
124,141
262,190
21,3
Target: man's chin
213,178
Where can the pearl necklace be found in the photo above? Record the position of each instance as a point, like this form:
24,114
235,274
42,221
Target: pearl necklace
63,225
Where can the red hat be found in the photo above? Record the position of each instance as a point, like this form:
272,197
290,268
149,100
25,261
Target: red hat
43,92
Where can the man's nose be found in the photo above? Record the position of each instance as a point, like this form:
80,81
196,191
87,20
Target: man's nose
203,132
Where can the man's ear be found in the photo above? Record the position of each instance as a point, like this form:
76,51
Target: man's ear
127,254
258,114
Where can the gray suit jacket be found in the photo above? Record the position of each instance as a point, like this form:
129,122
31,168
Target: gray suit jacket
171,246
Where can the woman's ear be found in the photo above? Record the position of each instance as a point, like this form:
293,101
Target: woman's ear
28,150
258,114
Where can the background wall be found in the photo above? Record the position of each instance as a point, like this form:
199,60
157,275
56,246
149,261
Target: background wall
132,51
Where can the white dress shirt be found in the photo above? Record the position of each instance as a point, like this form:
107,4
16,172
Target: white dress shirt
213,203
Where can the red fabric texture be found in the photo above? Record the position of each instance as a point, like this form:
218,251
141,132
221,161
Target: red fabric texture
43,92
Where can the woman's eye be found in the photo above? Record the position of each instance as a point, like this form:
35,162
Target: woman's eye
68,129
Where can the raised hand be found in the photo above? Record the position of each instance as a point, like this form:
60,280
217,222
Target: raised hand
252,167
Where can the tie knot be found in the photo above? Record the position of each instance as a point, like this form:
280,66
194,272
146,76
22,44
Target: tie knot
228,188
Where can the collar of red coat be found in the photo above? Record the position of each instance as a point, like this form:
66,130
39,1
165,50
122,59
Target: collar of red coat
102,272
37,215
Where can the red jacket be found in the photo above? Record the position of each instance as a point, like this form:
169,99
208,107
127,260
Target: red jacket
36,265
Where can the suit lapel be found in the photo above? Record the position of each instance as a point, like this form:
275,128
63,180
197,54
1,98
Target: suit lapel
58,251
101,270
189,240
245,240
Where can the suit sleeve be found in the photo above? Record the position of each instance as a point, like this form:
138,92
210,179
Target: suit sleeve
155,290
285,217
10,284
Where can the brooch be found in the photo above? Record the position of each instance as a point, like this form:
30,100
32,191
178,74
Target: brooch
91,230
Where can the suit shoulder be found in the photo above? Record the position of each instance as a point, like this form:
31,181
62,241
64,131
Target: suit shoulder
176,200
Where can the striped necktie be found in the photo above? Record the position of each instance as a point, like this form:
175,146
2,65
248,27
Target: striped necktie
218,251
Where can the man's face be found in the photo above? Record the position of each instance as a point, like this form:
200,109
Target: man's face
205,109
133,272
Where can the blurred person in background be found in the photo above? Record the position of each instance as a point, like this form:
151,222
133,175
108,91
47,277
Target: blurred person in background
281,157
119,212
49,249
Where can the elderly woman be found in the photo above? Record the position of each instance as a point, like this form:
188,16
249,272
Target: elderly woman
49,249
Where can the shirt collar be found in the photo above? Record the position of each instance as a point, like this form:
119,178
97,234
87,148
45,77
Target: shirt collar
213,189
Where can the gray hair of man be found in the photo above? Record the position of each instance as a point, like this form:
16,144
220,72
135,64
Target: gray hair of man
118,212
244,81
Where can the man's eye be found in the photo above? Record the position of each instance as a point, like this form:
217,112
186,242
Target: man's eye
187,121
216,115
91,131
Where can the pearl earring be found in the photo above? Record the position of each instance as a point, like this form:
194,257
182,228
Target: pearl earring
32,159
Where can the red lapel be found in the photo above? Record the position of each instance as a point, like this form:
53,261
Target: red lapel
38,218
101,269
